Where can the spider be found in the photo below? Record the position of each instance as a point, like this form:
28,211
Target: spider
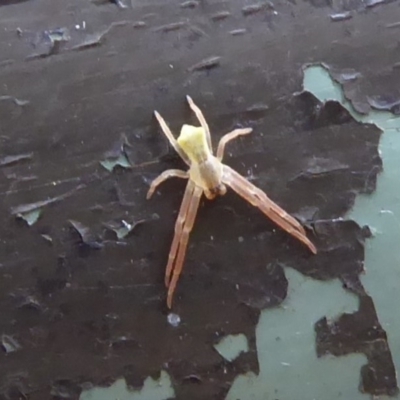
207,174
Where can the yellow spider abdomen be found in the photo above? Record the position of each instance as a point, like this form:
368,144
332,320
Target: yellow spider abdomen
193,142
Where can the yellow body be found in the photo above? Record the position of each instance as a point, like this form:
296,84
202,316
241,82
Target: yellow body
205,169
193,142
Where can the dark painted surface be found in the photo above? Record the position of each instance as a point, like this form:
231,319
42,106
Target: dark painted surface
78,81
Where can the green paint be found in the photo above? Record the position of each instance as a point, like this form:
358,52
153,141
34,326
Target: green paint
31,217
289,368
122,232
160,389
318,81
121,161
380,211
231,346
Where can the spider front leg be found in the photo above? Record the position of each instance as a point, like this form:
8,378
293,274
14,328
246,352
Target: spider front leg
169,173
170,137
228,137
201,119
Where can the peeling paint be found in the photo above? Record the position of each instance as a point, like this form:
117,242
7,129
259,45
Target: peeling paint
220,15
97,39
30,217
252,9
159,389
231,346
341,16
15,159
206,64
189,4
121,161
105,308
27,208
123,228
17,102
9,344
86,235
171,27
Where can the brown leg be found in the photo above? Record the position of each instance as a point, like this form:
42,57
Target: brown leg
201,119
228,137
262,197
260,200
180,221
169,173
187,228
170,137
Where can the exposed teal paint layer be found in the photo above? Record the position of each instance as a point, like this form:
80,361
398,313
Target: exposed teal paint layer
289,368
380,211
160,389
231,346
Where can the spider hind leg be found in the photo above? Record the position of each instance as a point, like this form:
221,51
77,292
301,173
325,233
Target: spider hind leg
175,272
259,199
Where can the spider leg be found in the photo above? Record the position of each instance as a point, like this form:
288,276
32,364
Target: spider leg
169,173
228,137
259,199
184,239
170,137
180,221
201,119
261,196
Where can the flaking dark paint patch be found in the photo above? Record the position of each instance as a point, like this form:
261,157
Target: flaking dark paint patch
122,228
374,3
220,15
15,159
9,344
389,103
238,32
97,39
344,16
87,236
82,304
358,332
30,217
207,63
25,208
16,101
45,43
253,9
171,27
189,4
119,3
366,92
361,332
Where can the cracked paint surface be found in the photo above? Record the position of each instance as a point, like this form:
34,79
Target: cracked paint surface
82,305
378,210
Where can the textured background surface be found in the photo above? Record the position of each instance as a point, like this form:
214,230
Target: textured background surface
78,85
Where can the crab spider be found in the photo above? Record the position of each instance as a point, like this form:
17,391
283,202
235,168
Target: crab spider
207,174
